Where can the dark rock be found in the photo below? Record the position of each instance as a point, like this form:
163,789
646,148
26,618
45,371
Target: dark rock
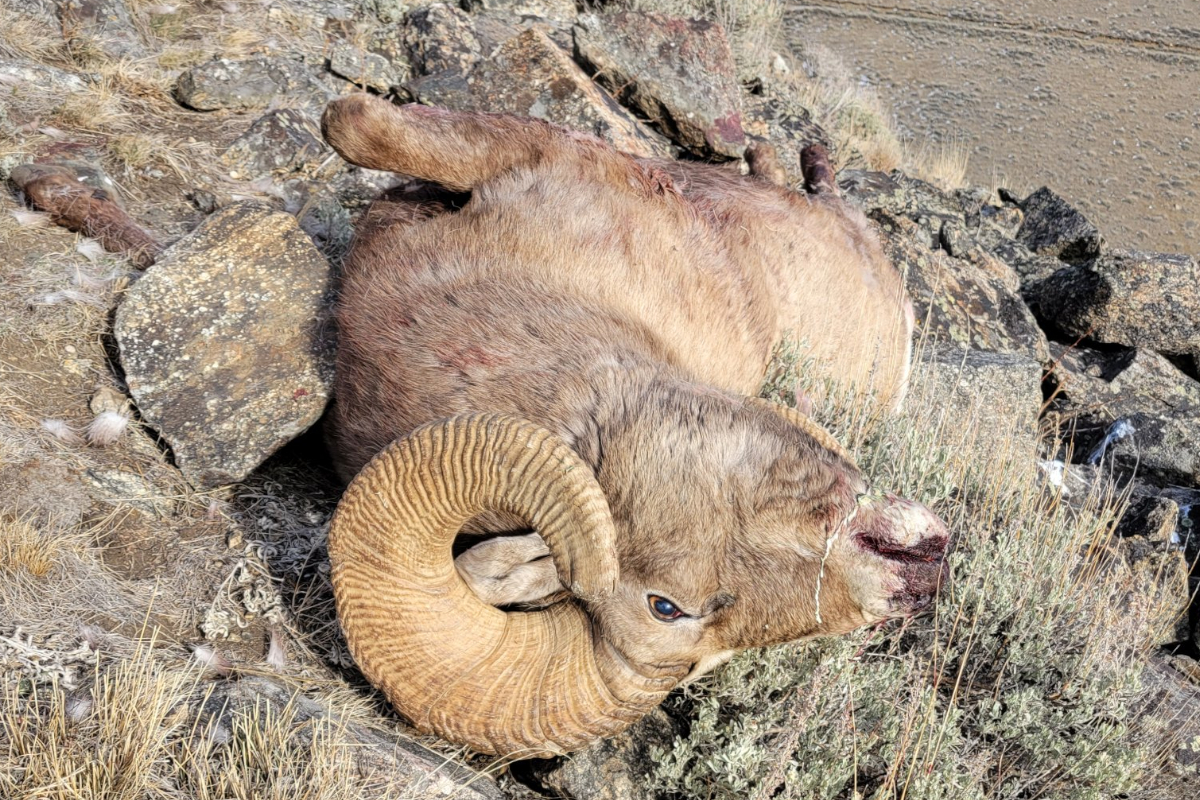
320,215
995,235
288,140
223,342
789,128
614,769
1151,517
1053,228
678,73
394,764
971,304
248,84
1125,297
532,76
106,24
1131,409
441,37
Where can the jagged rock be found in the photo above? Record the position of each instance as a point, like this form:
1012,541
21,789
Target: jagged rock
995,234
531,75
994,398
789,128
966,303
396,765
441,37
248,84
364,69
1152,517
223,342
320,215
678,73
389,10
20,73
901,195
614,769
1053,228
1133,409
288,140
106,24
1125,297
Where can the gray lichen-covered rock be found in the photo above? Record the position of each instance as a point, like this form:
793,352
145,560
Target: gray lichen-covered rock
249,84
288,140
441,37
532,76
678,73
1125,297
365,68
106,24
223,342
971,303
21,73
1134,410
1052,227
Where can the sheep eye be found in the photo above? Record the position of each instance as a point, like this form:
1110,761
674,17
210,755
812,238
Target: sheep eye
664,609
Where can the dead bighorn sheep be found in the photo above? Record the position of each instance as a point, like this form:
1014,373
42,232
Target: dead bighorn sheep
548,333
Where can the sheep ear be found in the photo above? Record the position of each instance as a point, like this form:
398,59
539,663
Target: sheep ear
806,424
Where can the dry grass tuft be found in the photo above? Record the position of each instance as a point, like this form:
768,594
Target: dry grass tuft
944,164
36,549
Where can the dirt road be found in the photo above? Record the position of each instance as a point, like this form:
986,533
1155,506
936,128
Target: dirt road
1099,100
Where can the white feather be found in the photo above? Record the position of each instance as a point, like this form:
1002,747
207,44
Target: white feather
62,431
107,428
276,654
90,249
30,219
71,296
207,656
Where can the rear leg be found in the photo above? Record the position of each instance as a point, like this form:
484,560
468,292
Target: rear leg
458,150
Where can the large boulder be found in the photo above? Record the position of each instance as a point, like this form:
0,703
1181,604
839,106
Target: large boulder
249,84
223,342
1052,227
531,75
1139,299
678,73
969,302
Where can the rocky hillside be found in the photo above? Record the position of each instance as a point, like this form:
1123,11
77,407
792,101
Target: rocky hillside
166,621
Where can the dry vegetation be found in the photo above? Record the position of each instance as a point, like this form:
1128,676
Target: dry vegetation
1026,681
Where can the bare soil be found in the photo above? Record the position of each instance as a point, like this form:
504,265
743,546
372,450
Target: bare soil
1097,100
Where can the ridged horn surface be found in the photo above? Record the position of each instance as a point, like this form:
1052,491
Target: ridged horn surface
806,424
508,683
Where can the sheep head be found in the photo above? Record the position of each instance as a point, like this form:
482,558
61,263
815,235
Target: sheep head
685,543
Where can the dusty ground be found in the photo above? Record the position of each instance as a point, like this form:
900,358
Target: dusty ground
1096,99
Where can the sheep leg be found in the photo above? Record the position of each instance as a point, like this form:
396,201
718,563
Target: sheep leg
818,173
89,211
508,570
459,150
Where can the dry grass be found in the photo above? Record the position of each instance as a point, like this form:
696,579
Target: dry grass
36,549
944,164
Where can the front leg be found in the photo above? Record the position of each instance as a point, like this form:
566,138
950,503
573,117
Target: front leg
508,570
